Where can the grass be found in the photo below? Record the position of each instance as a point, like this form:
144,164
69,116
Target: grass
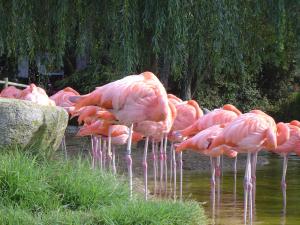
38,191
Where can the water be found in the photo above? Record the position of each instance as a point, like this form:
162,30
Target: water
269,206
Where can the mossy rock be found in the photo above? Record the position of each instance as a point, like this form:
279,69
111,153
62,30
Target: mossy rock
31,126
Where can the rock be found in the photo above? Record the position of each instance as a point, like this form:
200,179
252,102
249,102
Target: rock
31,126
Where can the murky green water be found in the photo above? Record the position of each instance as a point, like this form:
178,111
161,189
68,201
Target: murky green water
268,207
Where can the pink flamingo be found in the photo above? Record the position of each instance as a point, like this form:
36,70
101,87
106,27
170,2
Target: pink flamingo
61,98
199,143
157,131
224,115
249,133
30,93
284,147
133,99
188,112
37,95
10,92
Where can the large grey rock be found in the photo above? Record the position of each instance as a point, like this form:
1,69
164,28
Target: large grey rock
28,125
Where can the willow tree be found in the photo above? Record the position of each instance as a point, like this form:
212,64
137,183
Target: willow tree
197,48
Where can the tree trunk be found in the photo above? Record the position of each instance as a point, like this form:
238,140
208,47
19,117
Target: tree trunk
164,71
186,81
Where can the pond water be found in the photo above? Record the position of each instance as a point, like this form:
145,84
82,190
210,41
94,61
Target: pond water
268,208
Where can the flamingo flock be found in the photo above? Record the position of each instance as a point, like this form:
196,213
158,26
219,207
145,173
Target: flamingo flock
138,107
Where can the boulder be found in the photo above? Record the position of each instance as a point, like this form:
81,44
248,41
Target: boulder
28,125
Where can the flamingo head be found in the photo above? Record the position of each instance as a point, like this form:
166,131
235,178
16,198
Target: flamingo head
295,123
136,137
283,133
232,108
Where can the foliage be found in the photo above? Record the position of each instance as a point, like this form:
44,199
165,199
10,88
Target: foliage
287,109
42,191
86,80
201,46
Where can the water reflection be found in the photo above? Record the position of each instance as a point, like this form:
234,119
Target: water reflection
224,202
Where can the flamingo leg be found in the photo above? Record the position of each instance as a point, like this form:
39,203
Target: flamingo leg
253,168
171,165
213,172
218,167
161,164
234,174
283,181
100,152
156,157
104,154
248,189
213,190
129,160
165,162
145,165
96,155
234,187
154,164
175,172
93,151
218,181
222,163
253,178
181,175
250,186
234,165
114,169
109,153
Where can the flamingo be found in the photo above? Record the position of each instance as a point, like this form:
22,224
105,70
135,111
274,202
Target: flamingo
37,95
157,131
284,147
61,98
10,92
199,143
188,112
218,116
226,114
133,99
30,93
249,133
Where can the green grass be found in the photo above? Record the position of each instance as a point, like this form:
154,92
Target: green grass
39,191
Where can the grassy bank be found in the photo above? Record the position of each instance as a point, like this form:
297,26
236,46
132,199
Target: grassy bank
37,191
